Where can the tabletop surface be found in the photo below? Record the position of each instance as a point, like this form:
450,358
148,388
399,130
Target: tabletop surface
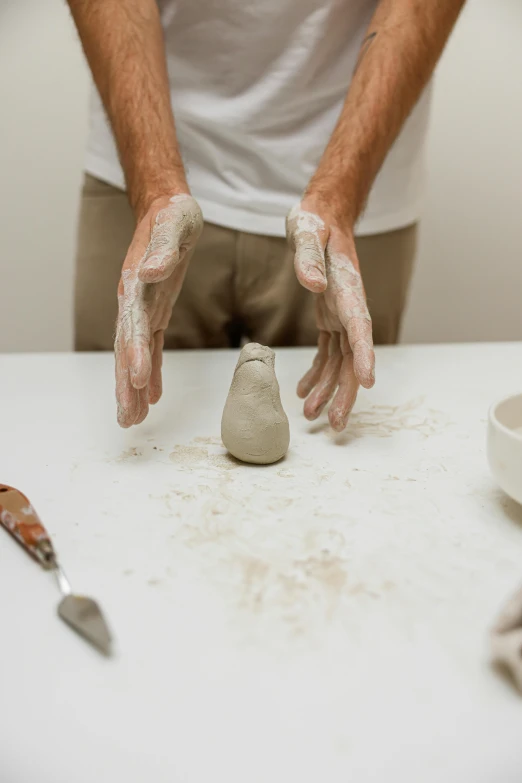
322,619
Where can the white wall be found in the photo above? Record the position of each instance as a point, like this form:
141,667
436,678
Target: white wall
468,284
43,118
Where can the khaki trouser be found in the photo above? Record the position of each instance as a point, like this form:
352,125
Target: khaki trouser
238,285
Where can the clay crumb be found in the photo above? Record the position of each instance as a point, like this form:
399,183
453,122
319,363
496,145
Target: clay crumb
129,454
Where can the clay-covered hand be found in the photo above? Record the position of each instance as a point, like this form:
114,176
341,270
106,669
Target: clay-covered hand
151,279
326,263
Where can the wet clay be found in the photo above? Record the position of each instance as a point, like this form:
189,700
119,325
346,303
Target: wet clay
254,427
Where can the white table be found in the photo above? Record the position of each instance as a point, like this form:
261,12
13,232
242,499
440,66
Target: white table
323,619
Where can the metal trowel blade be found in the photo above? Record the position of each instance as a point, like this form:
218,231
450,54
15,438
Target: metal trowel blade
85,616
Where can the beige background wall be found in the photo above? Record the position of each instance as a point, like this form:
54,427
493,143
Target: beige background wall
468,284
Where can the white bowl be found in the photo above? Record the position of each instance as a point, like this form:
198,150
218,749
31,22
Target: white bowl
505,445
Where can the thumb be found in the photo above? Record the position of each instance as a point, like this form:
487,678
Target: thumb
307,236
176,230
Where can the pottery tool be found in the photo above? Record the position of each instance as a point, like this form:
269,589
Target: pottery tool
83,614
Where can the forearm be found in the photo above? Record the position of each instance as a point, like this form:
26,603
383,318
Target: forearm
403,43
123,43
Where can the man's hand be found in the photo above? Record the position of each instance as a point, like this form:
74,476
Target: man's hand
151,279
403,42
326,263
123,43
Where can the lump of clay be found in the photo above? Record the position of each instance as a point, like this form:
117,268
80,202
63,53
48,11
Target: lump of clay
254,427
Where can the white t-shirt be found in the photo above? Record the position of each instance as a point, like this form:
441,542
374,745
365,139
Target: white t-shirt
256,89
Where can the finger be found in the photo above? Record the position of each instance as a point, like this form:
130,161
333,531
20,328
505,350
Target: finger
307,235
359,331
159,266
126,395
346,394
134,326
327,382
309,380
143,404
176,230
309,262
155,385
138,352
348,290
364,362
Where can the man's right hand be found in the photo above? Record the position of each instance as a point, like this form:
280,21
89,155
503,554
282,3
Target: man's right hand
151,279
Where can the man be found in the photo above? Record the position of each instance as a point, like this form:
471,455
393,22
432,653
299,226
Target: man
279,105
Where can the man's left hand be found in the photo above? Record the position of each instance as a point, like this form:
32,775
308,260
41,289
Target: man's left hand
326,263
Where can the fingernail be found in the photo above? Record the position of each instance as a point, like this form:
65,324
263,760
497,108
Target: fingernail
313,413
338,422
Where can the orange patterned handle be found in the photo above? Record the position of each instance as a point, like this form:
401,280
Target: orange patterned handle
21,520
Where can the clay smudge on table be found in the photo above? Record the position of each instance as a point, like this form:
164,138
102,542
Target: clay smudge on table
129,454
212,440
382,421
324,476
188,456
194,457
298,584
280,558
278,504
165,499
